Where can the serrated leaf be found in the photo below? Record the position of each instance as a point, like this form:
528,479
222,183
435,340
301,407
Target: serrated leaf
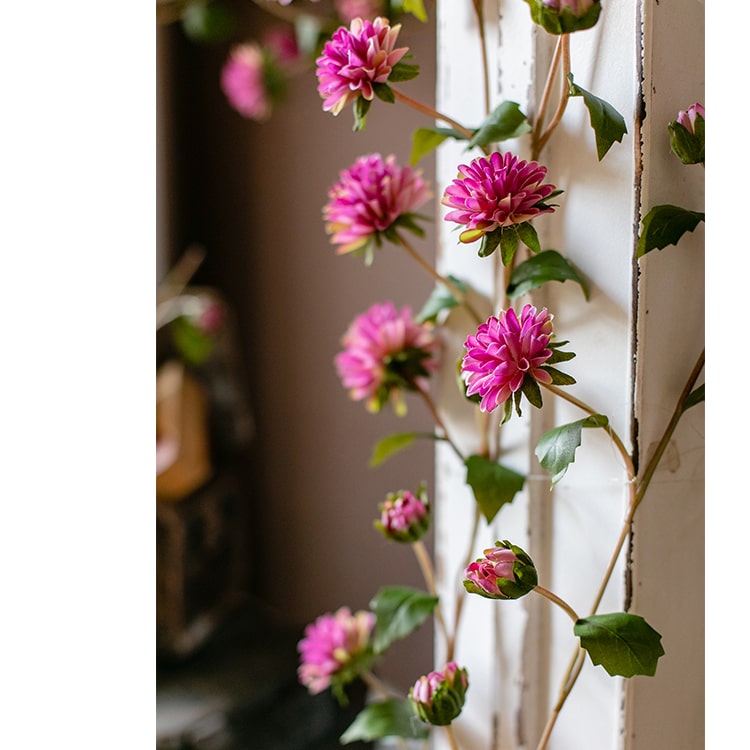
504,122
556,448
493,485
440,299
696,397
388,718
392,444
624,644
399,611
546,266
664,225
608,124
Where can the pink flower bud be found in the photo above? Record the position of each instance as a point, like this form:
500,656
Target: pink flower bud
404,517
687,119
505,572
439,696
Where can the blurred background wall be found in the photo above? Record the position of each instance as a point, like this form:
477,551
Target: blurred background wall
251,195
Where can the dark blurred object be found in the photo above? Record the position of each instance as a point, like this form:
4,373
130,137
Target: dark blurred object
203,429
240,692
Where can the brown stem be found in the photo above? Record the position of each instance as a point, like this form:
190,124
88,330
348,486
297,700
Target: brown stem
429,576
451,737
555,599
483,44
449,285
563,103
544,101
461,597
439,422
429,111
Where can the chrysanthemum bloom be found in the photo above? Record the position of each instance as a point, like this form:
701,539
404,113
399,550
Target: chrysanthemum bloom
509,355
565,16
439,696
494,192
505,572
386,351
244,81
348,10
356,59
281,44
331,647
370,197
404,516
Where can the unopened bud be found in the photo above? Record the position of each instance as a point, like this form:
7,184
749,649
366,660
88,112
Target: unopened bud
439,696
505,572
404,516
687,135
565,16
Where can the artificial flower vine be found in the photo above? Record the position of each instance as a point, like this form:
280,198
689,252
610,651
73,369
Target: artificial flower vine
390,353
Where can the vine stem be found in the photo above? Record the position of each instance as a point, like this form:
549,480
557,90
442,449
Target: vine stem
425,563
432,271
546,93
451,737
637,493
629,467
483,44
555,599
450,651
563,103
431,112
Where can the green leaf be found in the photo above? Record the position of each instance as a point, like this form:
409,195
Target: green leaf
696,397
194,345
425,140
392,444
402,71
608,124
548,265
493,485
664,225
527,234
504,122
622,643
556,449
388,718
384,92
440,299
416,8
399,611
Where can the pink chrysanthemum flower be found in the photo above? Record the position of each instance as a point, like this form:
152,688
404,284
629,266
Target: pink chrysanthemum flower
243,82
494,192
369,197
330,644
386,351
404,516
504,352
356,58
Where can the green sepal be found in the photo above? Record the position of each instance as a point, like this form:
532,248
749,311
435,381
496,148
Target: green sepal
395,443
506,121
508,244
489,243
624,644
664,225
493,485
689,147
557,355
559,378
527,234
399,611
548,265
347,673
384,92
608,124
193,345
360,108
507,411
531,390
402,71
392,717
556,449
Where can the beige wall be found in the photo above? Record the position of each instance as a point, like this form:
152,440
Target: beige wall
252,195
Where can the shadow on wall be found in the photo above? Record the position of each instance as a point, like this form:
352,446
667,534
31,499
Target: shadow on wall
251,195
